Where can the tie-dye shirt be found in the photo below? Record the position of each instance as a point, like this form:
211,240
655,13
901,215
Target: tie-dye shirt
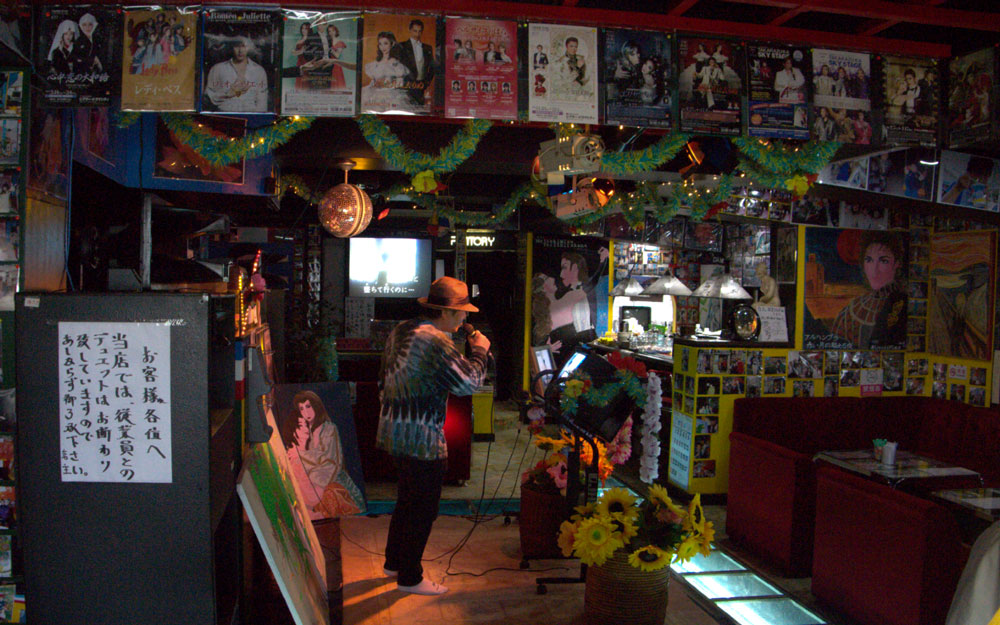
420,366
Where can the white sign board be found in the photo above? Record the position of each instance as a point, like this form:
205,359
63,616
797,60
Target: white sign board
681,430
114,402
773,327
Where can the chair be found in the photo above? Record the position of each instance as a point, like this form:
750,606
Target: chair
977,597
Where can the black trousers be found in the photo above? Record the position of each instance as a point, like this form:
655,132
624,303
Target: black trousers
417,500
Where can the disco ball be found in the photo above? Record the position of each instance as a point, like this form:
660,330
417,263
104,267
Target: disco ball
345,210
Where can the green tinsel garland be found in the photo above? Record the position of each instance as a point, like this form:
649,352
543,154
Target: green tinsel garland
597,397
291,182
528,191
124,119
646,159
788,159
220,151
387,144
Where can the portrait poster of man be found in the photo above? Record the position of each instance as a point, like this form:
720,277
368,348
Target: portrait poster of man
961,294
159,52
969,180
77,51
477,52
779,82
316,424
569,289
241,48
709,85
399,63
565,89
177,160
910,88
319,65
855,289
970,98
639,78
841,87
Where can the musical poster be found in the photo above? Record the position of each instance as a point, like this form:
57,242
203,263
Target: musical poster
639,78
159,50
241,51
480,68
319,65
710,84
778,86
399,64
115,426
565,88
77,52
841,96
971,88
911,104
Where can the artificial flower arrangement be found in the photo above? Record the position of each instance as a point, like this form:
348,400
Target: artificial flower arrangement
654,531
551,473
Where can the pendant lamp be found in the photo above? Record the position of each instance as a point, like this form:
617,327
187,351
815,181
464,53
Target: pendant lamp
627,287
345,210
722,286
667,285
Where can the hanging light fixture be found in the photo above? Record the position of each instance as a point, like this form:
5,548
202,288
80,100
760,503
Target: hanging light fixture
628,287
345,210
722,286
667,285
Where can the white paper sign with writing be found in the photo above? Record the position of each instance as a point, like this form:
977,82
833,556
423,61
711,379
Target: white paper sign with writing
773,326
114,402
871,382
681,428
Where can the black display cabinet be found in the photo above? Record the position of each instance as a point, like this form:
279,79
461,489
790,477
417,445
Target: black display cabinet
125,552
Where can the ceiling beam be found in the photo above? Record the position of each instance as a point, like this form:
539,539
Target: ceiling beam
884,10
527,11
679,7
787,15
876,28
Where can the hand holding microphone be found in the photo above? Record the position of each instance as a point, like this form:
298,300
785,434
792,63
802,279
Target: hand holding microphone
475,337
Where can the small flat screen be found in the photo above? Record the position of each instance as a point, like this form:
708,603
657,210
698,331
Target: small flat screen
389,267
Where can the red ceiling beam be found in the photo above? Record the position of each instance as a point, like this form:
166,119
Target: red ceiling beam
881,26
883,10
680,7
787,15
524,11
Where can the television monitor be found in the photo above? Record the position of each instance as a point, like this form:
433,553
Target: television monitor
600,421
389,267
542,361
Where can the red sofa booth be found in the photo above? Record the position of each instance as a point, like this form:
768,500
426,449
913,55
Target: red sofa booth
771,503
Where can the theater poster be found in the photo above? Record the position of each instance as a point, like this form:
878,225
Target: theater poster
159,52
319,65
565,88
961,294
972,98
779,82
77,52
400,64
242,49
910,87
480,68
709,85
639,78
841,84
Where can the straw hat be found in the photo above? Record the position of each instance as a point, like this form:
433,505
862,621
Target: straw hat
448,293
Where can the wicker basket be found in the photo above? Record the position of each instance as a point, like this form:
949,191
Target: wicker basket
619,593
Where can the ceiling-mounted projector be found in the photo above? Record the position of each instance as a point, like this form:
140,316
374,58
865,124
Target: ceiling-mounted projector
573,204
573,154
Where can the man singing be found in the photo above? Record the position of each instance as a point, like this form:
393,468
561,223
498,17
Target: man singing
238,84
420,366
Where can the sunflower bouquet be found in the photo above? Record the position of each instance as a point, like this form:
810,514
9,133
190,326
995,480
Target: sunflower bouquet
551,473
654,531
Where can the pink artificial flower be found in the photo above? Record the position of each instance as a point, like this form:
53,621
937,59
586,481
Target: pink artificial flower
558,473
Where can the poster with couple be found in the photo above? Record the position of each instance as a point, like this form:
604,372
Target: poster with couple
855,289
639,78
910,87
77,53
399,63
971,98
841,96
480,68
159,49
710,85
563,88
319,65
316,425
569,293
241,48
778,87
